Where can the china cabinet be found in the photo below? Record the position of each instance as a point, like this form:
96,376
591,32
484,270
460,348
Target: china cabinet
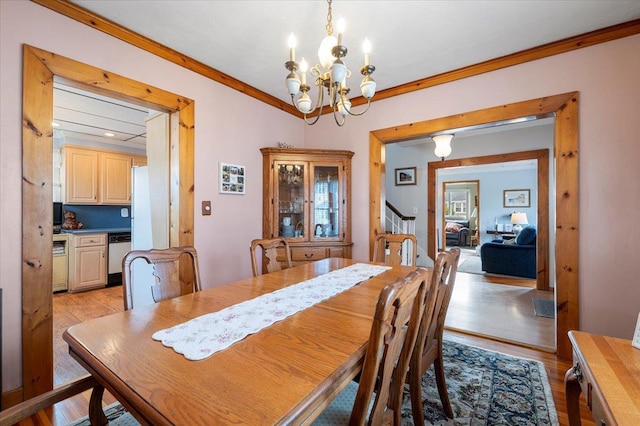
307,199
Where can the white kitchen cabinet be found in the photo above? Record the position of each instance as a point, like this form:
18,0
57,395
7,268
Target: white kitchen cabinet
87,261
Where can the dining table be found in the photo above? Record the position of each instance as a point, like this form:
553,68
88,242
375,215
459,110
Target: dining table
286,373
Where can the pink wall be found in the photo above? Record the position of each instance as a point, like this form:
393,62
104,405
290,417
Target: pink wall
222,239
605,75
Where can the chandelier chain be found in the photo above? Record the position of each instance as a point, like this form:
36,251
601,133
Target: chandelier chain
329,26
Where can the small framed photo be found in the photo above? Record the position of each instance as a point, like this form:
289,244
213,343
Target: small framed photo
517,198
508,227
406,176
500,227
232,179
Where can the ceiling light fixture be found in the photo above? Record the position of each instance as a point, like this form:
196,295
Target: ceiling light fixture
109,134
54,124
443,145
331,73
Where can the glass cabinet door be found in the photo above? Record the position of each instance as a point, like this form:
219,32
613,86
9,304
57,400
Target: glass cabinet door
290,199
325,215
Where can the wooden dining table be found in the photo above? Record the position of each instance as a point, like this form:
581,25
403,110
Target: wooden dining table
287,373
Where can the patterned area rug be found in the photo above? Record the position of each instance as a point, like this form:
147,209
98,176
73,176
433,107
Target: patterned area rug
485,388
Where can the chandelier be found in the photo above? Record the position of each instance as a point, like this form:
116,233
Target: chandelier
330,76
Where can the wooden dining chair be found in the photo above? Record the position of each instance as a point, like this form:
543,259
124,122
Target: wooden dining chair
32,406
377,399
428,348
402,248
175,272
270,254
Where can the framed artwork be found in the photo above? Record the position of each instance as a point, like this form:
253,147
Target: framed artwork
232,179
517,198
406,176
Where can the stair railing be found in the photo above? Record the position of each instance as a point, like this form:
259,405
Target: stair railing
397,223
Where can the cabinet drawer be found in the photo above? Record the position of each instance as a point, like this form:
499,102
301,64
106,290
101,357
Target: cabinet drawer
91,240
308,254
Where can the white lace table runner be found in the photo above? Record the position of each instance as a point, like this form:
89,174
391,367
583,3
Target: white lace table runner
201,337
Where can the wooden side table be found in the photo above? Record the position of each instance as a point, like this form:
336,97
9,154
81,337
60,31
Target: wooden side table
607,371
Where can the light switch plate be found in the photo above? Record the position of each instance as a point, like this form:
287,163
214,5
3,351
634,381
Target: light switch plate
206,208
124,212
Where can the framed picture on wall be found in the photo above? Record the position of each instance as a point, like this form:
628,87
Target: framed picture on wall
232,179
517,198
406,176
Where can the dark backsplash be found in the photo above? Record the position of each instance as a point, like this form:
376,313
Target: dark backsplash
100,216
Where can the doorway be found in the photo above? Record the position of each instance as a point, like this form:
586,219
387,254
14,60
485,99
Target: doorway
564,108
460,213
39,69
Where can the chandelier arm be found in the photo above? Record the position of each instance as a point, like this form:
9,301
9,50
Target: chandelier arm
356,114
318,107
336,114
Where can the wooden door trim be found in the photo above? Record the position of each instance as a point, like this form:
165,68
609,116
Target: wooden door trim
39,69
565,155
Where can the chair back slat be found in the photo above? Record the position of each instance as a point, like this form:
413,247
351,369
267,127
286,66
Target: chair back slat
395,249
175,273
274,252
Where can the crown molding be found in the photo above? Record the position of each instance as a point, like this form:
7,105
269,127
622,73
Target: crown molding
99,23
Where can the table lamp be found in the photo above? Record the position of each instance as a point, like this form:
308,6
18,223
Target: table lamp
518,219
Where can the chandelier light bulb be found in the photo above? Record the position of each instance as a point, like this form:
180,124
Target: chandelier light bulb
366,48
292,47
303,69
341,27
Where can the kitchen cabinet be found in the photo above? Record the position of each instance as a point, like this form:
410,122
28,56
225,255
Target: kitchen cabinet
80,176
87,261
307,199
92,176
60,261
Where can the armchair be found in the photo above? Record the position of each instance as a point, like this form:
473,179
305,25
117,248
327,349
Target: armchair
457,232
517,258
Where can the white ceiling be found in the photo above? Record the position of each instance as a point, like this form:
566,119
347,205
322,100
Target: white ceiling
411,39
247,40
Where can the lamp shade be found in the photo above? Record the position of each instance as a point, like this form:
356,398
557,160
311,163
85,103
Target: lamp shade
443,145
518,218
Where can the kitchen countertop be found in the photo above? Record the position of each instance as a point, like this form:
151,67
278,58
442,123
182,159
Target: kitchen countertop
95,230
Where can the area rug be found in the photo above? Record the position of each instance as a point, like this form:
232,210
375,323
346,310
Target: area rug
485,388
471,265
544,308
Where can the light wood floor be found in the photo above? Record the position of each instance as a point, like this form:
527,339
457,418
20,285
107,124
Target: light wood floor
500,308
480,304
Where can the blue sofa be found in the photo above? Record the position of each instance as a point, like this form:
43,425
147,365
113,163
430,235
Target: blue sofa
506,258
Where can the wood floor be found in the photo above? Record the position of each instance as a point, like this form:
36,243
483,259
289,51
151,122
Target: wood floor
500,317
500,308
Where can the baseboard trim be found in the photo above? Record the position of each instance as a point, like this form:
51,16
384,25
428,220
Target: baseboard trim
11,398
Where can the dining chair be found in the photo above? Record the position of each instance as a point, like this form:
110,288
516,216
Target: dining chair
270,254
28,408
428,348
175,273
402,249
377,398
